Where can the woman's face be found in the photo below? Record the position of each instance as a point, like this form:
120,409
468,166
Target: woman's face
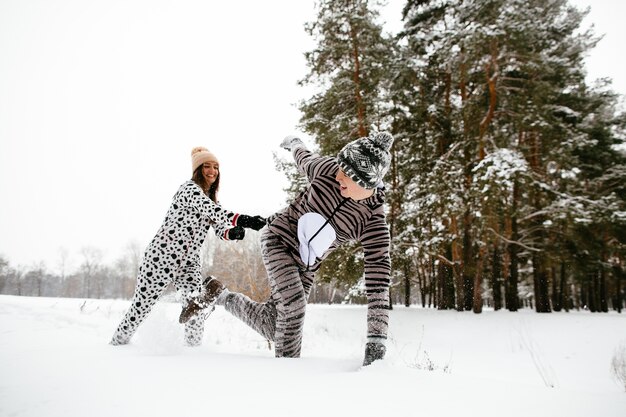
210,171
350,189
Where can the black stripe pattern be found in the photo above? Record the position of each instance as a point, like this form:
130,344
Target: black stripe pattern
281,318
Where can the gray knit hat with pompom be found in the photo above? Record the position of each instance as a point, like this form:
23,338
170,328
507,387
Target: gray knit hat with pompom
366,160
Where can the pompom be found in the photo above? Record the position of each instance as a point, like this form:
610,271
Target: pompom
198,149
383,140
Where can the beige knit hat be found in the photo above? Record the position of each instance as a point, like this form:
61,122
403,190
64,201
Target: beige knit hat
200,155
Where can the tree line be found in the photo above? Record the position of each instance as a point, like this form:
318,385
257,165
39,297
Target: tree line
238,264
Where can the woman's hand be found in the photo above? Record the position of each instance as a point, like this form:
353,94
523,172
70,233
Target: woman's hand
256,222
236,233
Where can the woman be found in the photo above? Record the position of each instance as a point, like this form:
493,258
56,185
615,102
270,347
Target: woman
343,202
173,256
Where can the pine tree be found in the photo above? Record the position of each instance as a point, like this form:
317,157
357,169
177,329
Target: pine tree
349,67
596,238
493,77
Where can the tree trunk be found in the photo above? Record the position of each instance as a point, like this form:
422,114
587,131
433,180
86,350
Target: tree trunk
421,282
469,269
492,73
584,292
512,300
407,286
556,290
592,285
496,278
87,280
464,287
565,296
604,306
540,278
360,106
457,260
619,296
433,286
511,296
477,305
446,285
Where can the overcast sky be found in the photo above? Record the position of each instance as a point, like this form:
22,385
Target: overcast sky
102,101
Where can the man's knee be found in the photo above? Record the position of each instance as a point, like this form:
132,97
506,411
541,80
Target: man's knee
294,306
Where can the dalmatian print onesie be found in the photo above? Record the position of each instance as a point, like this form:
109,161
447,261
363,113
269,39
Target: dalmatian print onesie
173,256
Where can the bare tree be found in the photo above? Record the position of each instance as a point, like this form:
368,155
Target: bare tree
63,262
134,254
92,257
240,266
17,276
36,276
4,276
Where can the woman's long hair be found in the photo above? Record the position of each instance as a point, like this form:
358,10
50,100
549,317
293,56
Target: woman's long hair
212,190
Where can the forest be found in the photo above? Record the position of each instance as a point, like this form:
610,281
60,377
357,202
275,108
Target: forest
508,181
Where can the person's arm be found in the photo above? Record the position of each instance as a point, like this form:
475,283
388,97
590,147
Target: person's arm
377,271
193,196
229,224
225,231
307,162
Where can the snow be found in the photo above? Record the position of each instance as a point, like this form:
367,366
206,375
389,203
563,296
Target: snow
55,361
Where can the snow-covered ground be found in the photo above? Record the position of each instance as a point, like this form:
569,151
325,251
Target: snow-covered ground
55,360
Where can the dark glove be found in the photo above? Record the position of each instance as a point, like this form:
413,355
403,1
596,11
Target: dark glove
236,233
373,352
256,222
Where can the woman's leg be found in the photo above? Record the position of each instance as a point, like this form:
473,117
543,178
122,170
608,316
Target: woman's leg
150,285
189,285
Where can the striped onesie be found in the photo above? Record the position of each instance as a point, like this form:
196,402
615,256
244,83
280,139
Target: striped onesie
299,238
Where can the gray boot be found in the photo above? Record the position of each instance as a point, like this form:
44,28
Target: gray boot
373,351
